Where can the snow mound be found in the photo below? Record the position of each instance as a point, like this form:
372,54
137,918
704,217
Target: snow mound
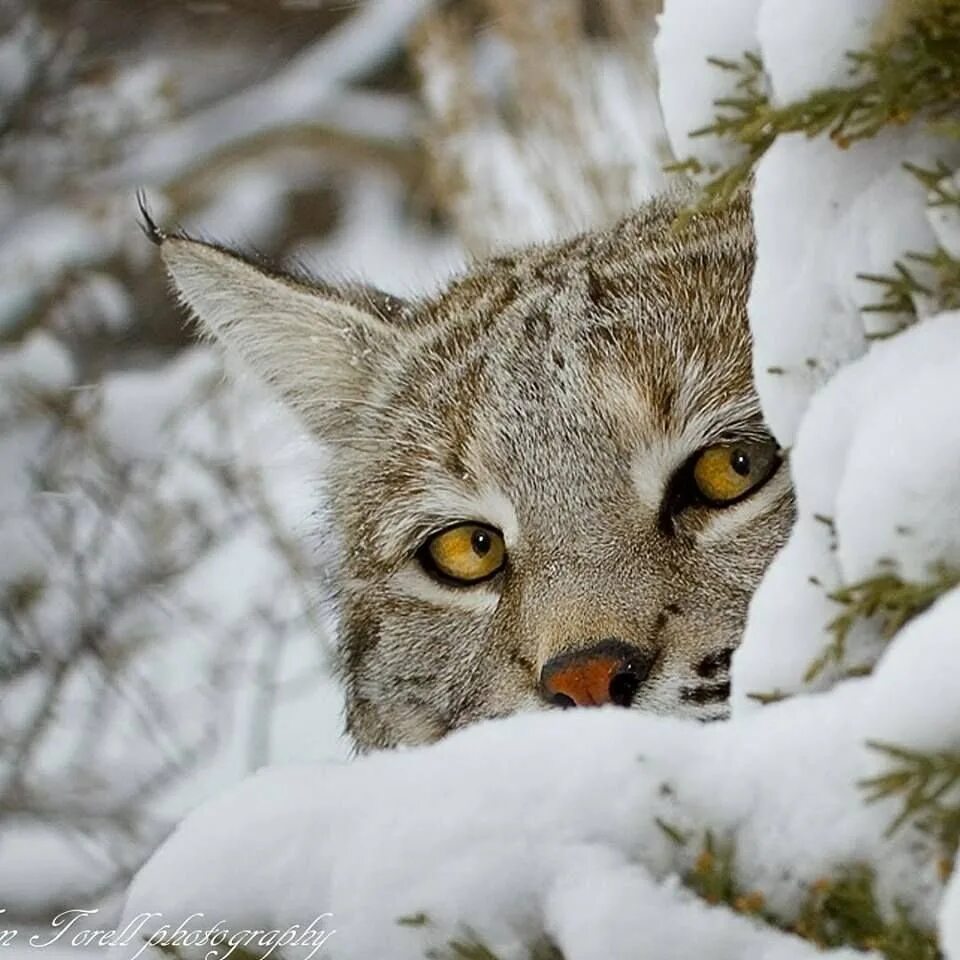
512,829
876,469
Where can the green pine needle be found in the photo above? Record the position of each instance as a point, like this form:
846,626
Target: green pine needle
929,787
916,73
888,597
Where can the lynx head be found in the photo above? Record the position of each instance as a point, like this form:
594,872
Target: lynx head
552,483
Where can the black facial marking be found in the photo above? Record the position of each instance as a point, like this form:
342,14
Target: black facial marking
596,289
623,688
713,663
538,326
453,461
715,693
521,661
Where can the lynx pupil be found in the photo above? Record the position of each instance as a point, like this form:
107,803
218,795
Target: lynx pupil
740,462
481,542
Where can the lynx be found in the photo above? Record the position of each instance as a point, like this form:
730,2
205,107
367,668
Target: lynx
551,484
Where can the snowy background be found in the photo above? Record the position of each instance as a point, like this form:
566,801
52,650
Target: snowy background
158,586
160,635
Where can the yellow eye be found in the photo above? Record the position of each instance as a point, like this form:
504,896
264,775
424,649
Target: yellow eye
729,471
467,553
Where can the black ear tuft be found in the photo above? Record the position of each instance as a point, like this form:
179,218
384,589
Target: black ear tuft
147,224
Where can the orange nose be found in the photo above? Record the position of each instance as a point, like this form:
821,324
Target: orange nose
610,672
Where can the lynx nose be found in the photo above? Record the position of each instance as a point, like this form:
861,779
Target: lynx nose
609,672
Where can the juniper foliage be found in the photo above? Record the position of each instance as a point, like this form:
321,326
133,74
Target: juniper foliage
913,71
910,74
928,785
887,597
843,911
838,911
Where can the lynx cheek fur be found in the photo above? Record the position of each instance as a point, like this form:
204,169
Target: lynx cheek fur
552,483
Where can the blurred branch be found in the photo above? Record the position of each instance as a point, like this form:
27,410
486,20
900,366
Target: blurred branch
302,92
538,129
122,550
134,666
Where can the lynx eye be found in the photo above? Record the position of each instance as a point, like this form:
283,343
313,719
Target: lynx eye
727,472
464,554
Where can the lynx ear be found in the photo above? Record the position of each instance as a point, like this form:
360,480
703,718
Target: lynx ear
313,346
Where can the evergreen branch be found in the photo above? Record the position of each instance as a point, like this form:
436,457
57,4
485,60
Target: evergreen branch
713,878
766,697
899,290
915,73
893,600
902,288
939,183
844,912
946,270
929,786
674,834
414,920
471,948
463,950
839,911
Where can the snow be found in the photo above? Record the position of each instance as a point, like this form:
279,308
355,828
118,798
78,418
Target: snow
877,488
243,674
950,919
136,98
605,907
19,48
397,260
41,362
37,249
805,45
98,303
907,440
821,218
690,32
457,832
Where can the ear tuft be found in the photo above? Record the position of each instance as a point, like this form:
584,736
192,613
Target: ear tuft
147,224
316,348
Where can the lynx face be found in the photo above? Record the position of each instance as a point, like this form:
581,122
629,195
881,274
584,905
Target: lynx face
552,484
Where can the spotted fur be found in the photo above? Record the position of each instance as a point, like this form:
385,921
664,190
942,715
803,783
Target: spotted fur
552,393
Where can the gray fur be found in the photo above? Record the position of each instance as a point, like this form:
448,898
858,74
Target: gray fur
551,393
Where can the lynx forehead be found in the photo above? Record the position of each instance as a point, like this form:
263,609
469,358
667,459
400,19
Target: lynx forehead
552,484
